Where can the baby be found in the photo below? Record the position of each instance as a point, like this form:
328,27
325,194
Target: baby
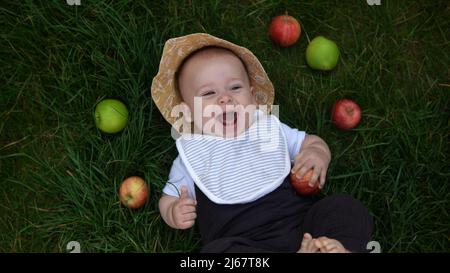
230,179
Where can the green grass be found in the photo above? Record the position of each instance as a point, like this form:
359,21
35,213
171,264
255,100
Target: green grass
60,175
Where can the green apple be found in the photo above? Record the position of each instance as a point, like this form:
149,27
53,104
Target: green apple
322,53
111,116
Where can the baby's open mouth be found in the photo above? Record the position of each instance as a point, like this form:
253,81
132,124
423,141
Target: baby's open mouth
228,119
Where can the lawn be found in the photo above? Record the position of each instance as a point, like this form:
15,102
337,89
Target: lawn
60,175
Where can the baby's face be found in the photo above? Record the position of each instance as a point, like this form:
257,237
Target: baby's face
221,83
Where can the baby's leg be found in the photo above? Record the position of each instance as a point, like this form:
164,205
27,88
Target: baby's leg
342,218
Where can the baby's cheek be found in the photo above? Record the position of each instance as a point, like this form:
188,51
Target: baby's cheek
207,125
199,123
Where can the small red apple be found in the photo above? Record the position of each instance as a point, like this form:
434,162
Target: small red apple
284,30
345,114
302,185
133,192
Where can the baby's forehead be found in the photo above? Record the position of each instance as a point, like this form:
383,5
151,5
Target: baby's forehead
210,53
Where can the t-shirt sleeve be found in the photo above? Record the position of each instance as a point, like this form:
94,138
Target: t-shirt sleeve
294,140
179,177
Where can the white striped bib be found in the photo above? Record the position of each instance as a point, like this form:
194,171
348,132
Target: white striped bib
241,169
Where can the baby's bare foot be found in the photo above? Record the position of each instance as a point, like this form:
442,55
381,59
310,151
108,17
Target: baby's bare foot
327,245
308,244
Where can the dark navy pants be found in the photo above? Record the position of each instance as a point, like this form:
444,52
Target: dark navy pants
276,222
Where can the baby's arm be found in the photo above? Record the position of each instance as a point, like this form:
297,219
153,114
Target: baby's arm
314,154
178,212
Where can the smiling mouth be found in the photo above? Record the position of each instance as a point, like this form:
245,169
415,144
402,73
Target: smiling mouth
228,119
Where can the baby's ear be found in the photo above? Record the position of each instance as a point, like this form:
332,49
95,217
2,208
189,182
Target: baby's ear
253,92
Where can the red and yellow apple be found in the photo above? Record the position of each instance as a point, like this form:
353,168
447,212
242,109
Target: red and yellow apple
133,192
301,185
284,30
345,114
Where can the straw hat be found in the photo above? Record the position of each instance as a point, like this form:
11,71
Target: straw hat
164,91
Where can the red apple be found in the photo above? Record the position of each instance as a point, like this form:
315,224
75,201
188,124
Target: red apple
302,185
133,192
284,30
345,114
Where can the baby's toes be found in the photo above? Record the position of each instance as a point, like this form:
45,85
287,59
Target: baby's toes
330,247
305,242
336,247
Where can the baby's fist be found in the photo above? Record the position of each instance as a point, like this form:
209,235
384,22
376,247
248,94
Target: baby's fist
183,210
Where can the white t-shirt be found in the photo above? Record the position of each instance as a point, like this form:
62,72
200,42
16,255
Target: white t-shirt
179,175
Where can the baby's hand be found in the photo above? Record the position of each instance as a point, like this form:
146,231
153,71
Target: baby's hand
183,210
314,154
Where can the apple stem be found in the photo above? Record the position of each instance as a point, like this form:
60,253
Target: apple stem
349,111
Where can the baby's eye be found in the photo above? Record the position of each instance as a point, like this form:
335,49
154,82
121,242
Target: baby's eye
207,93
236,87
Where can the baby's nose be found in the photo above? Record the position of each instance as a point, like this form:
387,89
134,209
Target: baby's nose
225,99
